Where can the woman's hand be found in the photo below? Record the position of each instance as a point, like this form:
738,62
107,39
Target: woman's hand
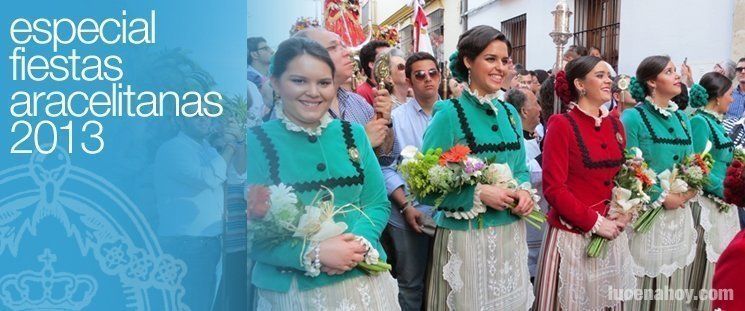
341,253
608,229
496,198
621,218
674,200
525,203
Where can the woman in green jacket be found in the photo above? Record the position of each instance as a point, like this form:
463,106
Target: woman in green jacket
717,221
480,259
308,150
663,133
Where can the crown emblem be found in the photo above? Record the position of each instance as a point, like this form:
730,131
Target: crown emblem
46,289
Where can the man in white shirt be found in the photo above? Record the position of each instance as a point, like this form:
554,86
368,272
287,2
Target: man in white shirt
527,106
189,177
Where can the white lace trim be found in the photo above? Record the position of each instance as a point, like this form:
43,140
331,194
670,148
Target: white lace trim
598,120
478,207
451,273
291,126
584,282
719,228
717,115
308,258
669,245
527,186
671,106
487,100
372,257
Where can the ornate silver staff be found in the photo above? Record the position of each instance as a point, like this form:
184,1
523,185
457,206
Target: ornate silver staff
560,35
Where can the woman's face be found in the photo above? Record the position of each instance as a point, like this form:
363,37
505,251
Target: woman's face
667,82
307,89
489,68
398,71
725,100
597,84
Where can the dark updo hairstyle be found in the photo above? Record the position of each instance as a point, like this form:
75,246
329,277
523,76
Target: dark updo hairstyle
712,85
470,44
578,68
647,71
294,47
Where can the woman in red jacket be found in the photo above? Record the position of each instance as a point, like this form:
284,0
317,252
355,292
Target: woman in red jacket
582,152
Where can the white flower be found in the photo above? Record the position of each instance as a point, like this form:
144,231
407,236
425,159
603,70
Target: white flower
707,148
283,204
671,184
622,198
440,176
695,172
317,225
409,152
500,174
637,153
372,257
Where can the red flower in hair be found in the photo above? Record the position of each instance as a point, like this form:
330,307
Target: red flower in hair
561,86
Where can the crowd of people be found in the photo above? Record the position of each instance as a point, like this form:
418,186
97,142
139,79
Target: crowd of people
316,135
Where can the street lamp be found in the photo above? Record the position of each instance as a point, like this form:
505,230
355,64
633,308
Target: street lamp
560,35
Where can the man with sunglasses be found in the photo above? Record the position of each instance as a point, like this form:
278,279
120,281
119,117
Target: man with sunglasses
737,108
259,57
410,226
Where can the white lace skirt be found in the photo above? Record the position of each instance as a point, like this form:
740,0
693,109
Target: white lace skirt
360,293
669,245
583,283
719,228
481,269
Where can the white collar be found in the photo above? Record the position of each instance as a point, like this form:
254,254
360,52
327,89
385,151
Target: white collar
671,106
291,126
715,114
485,99
598,120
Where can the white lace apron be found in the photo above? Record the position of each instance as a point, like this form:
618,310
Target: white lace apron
488,269
670,244
719,228
356,294
585,283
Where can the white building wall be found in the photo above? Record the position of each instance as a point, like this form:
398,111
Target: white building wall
541,51
699,30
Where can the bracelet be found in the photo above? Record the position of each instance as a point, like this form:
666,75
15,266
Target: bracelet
408,205
317,258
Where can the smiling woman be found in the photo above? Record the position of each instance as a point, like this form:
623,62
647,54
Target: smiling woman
480,227
329,169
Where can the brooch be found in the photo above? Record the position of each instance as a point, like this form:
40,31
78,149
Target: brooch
619,138
354,154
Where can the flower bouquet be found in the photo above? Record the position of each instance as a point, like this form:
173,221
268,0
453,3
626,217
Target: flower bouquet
734,180
278,215
630,194
437,173
692,173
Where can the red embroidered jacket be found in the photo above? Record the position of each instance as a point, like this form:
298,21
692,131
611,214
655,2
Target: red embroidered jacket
580,161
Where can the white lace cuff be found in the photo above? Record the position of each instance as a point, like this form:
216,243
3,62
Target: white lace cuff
533,194
371,256
311,260
657,203
478,207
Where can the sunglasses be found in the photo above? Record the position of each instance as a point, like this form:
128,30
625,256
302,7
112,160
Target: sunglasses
740,69
421,74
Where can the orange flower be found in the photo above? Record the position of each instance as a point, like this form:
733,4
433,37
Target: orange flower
639,173
700,162
456,154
